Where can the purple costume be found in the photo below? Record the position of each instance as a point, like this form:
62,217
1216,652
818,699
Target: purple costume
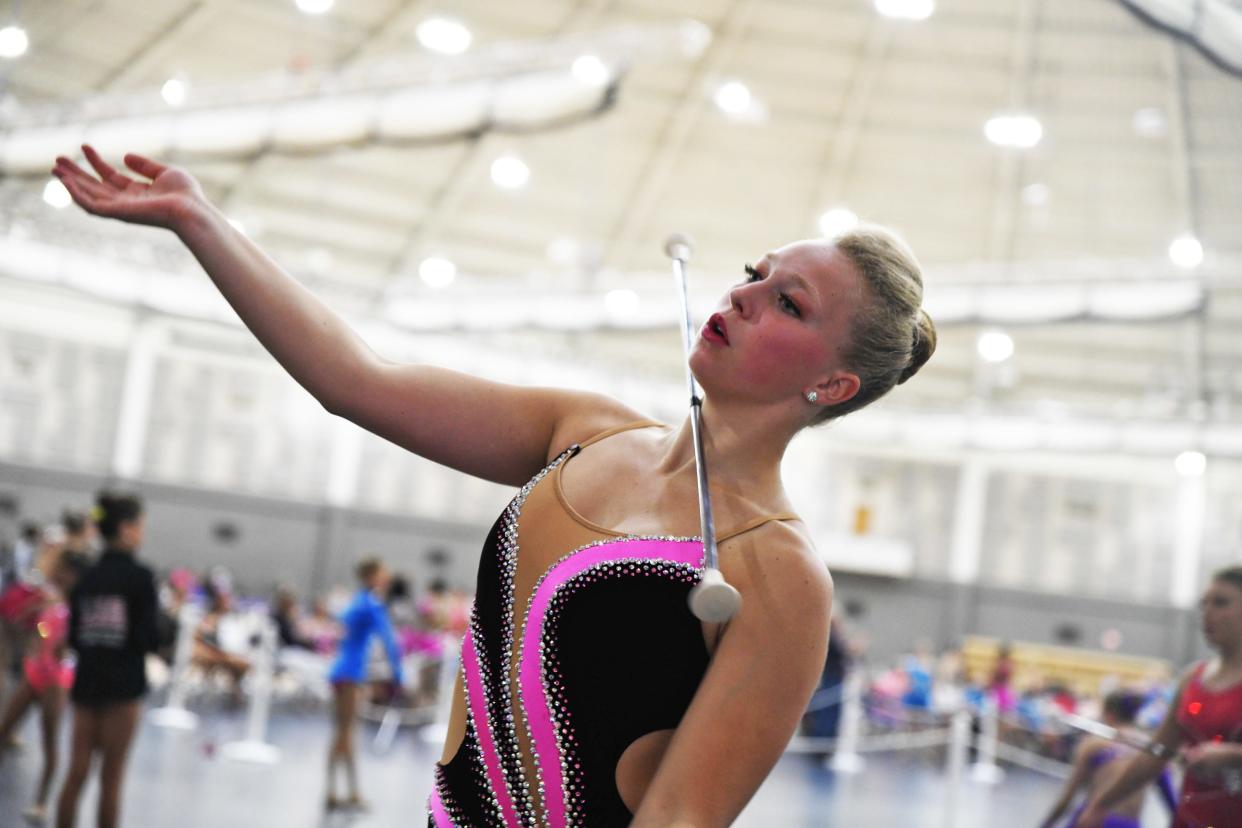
1099,760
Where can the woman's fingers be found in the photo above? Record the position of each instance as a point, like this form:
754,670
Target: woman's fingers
76,191
143,165
92,195
106,172
67,172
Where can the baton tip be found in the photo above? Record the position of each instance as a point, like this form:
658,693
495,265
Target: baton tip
678,246
713,599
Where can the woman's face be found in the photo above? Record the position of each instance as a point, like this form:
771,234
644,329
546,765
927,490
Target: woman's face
380,580
1222,614
781,331
65,578
130,533
223,603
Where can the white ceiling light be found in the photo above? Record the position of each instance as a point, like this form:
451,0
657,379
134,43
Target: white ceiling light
13,42
590,70
694,38
173,91
1186,251
733,97
1021,131
1150,122
55,194
1190,464
510,172
1036,195
906,9
563,251
995,346
440,34
314,6
836,221
437,271
622,303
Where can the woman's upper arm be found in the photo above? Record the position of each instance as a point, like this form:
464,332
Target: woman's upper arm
756,688
1169,733
496,431
1081,768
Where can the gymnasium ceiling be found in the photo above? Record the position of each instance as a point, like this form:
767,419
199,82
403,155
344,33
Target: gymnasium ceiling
1142,142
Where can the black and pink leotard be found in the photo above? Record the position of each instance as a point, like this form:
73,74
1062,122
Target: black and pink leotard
605,652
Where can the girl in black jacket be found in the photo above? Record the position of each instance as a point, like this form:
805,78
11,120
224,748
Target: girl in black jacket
112,626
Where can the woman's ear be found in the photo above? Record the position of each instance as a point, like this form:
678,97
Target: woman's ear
840,387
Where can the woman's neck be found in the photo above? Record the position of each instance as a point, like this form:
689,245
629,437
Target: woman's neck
743,447
1230,658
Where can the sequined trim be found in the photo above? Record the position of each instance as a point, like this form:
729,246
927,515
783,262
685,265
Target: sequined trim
476,699
436,808
500,697
576,806
538,696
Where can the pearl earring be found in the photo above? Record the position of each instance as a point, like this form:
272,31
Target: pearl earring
812,396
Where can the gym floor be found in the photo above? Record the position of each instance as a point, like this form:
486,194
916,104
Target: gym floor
178,779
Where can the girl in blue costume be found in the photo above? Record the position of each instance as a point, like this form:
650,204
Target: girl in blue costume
589,694
365,616
1096,765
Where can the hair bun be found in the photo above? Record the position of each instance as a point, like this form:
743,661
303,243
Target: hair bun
923,345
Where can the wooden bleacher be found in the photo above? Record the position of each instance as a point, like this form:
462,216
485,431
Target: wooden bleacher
1085,672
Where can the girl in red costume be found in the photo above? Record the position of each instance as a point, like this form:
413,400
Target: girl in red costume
47,673
1204,725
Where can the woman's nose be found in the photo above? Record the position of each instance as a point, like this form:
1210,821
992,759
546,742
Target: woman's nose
739,300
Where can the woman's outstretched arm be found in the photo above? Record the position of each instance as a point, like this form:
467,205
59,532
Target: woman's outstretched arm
1077,780
491,430
1142,769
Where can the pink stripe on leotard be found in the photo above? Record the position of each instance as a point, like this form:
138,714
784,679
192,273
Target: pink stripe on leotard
535,702
438,811
483,728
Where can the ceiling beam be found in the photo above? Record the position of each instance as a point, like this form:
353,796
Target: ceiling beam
666,148
838,157
1005,196
460,181
194,17
1186,204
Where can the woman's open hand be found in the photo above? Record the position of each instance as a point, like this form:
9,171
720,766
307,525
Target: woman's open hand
164,201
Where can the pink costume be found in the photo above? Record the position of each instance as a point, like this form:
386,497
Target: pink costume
46,667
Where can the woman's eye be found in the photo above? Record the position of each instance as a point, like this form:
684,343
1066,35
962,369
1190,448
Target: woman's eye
752,275
788,304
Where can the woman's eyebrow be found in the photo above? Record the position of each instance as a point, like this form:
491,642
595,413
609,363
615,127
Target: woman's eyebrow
798,280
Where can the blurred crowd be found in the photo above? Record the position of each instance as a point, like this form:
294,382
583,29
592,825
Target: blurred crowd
426,621
923,688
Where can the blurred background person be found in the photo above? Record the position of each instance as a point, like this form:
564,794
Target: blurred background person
112,627
47,673
1096,765
363,618
1203,726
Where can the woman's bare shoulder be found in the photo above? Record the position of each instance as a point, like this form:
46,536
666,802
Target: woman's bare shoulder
588,414
779,560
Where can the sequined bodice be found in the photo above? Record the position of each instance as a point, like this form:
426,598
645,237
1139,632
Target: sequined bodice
1210,715
593,675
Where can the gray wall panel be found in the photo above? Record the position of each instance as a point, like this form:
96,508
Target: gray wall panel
314,547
